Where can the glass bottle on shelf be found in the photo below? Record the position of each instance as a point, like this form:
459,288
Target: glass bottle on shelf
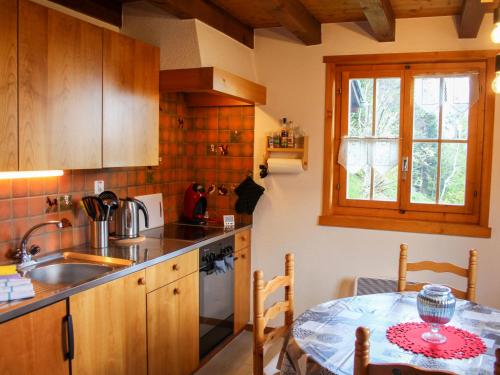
291,135
270,140
276,139
284,133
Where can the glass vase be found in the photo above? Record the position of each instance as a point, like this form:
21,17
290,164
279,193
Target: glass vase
436,306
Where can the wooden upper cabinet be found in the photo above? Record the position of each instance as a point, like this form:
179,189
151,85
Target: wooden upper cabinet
60,90
109,324
8,85
35,343
130,102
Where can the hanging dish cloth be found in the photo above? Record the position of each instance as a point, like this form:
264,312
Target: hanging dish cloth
229,260
248,195
220,266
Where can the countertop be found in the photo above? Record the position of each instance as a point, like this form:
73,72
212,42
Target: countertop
153,250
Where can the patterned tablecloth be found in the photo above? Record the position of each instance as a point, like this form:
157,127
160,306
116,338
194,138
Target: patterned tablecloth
322,339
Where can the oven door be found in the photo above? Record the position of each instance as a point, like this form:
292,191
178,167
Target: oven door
216,307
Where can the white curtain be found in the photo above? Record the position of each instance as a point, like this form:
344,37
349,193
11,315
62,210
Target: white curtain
382,154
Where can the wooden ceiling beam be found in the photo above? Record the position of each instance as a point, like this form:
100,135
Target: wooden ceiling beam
295,17
380,16
109,11
470,18
211,15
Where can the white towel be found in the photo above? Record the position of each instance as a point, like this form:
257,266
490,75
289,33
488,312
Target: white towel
220,266
4,297
229,260
17,288
15,282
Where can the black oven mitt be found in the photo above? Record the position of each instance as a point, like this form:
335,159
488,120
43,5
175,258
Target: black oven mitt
248,195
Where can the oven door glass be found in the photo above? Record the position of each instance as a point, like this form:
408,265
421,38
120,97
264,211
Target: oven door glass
216,308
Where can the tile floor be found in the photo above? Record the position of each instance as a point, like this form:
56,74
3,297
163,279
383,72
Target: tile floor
236,358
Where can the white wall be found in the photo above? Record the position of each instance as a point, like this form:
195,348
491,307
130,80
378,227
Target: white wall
327,258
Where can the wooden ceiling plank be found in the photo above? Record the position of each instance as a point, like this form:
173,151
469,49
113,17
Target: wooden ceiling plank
211,15
470,18
380,16
295,17
109,11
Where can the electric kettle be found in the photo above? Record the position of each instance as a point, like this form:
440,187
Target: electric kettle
127,217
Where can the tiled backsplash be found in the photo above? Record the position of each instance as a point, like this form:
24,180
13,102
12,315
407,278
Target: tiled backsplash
213,130
185,137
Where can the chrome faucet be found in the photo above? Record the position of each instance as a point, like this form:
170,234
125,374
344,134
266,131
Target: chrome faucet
25,254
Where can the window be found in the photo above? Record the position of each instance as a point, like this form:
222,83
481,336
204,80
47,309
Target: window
408,142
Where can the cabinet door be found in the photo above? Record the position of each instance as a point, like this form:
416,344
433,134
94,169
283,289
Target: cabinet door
8,85
35,343
242,267
60,90
130,102
110,328
173,332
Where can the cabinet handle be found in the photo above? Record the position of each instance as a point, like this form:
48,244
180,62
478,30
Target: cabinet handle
141,281
177,291
175,267
243,256
236,258
243,238
71,338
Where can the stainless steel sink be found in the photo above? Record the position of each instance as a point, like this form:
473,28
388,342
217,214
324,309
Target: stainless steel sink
68,273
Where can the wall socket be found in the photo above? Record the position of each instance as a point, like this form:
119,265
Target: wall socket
98,187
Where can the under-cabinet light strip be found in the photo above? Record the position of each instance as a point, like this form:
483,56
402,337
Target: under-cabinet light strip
30,174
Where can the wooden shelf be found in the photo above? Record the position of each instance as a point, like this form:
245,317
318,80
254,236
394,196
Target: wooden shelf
281,149
301,151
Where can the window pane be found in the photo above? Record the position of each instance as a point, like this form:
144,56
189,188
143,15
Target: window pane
386,185
360,107
453,173
388,107
426,108
424,172
359,183
455,108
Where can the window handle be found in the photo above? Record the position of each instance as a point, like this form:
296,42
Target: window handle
404,167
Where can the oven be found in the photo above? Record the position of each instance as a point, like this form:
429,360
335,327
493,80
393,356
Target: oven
216,294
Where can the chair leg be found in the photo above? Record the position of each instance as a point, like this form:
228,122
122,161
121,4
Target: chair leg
258,360
258,323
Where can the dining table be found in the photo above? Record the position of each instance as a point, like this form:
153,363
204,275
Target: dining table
321,340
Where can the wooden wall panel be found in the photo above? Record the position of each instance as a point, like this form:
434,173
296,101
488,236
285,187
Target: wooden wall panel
60,91
8,85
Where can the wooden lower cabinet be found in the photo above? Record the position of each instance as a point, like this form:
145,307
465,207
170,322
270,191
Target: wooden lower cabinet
173,327
110,328
242,268
35,343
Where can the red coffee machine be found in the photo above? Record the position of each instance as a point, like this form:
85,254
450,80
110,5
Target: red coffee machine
195,204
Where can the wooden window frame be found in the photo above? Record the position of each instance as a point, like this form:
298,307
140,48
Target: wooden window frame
473,222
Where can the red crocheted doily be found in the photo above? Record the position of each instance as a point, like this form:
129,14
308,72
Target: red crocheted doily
459,344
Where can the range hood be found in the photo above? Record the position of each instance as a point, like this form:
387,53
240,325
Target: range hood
210,86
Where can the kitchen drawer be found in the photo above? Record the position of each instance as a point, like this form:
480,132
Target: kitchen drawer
171,270
242,240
